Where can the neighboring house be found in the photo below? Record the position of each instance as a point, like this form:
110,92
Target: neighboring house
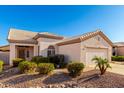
4,48
82,48
4,54
118,49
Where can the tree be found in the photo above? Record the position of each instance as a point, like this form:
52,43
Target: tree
102,64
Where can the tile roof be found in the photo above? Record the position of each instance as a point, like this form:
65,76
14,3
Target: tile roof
118,44
5,48
84,36
79,36
23,36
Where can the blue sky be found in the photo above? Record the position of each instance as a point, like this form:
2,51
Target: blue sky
63,20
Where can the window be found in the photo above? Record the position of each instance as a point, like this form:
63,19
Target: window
51,51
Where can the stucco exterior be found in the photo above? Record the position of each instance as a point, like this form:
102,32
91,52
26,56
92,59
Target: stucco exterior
44,43
78,48
13,50
120,51
78,51
72,51
96,42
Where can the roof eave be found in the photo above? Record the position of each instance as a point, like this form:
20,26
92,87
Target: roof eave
77,40
47,36
21,41
83,38
106,38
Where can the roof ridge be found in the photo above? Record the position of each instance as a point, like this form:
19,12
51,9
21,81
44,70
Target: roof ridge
83,34
22,30
49,33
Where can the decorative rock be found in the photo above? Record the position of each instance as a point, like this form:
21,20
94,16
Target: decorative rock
50,86
12,78
62,86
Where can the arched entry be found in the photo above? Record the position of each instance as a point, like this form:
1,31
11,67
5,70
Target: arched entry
51,51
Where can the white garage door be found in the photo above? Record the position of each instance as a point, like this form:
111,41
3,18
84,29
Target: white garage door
90,53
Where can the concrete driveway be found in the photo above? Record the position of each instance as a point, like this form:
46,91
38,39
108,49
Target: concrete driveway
116,68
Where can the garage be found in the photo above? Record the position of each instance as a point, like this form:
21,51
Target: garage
85,47
92,52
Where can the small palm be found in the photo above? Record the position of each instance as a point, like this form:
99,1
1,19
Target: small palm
102,64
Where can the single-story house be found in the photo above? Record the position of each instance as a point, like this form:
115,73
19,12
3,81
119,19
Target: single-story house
4,48
4,54
118,49
82,48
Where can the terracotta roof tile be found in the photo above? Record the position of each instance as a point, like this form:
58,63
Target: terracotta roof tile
82,37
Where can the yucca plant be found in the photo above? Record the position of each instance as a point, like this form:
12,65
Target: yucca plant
102,64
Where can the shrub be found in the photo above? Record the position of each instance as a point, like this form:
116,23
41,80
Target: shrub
102,64
16,61
1,65
45,68
27,67
75,68
36,58
117,58
40,59
58,60
63,65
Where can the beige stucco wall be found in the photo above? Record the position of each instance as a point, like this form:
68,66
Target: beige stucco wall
94,43
44,43
120,51
71,51
13,50
75,52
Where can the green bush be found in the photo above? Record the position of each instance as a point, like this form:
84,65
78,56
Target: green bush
75,68
1,65
58,61
27,67
40,59
45,68
16,61
117,58
63,65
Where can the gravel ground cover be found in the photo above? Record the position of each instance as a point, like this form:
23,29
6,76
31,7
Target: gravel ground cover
11,78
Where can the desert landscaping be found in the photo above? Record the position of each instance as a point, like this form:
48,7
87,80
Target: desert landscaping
60,79
11,77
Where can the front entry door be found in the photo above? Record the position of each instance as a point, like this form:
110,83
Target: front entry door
25,52
21,53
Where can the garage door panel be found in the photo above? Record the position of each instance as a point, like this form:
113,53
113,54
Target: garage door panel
91,53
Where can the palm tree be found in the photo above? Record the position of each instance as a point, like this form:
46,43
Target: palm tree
102,64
